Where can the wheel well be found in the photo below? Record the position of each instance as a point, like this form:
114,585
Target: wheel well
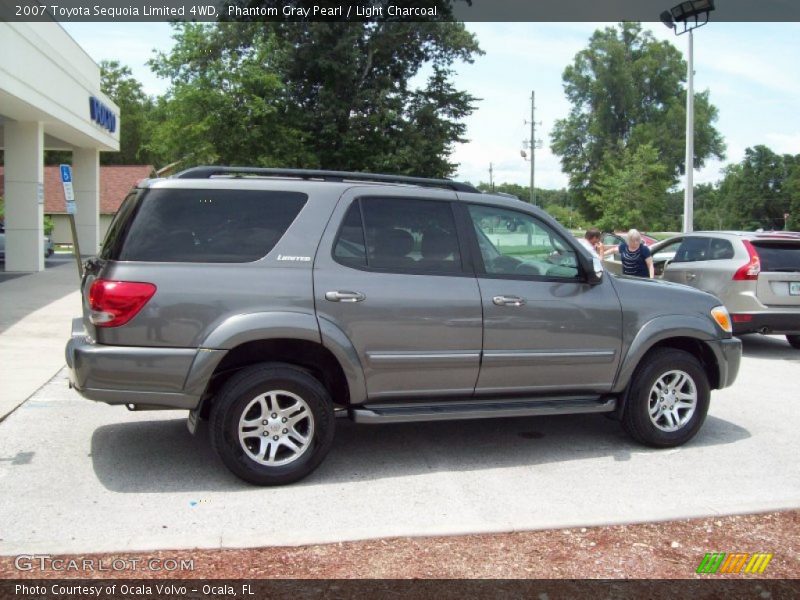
313,357
694,347
697,349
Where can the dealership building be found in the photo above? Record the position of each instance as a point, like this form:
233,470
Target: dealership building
50,99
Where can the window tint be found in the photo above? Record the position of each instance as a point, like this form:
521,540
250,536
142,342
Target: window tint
209,225
693,249
778,256
402,235
532,249
720,249
118,225
350,248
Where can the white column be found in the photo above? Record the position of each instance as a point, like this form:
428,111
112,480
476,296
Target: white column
86,184
24,195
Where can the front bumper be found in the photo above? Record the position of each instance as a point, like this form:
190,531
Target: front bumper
728,354
146,378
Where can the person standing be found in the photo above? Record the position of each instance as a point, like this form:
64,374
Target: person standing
636,257
591,241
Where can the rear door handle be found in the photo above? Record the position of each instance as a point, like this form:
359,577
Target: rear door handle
691,276
508,301
337,296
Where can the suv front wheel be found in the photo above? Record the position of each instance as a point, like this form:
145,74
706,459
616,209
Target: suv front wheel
668,399
272,424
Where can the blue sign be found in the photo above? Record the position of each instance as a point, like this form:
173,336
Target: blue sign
69,194
102,115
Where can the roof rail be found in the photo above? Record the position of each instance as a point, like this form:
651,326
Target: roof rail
208,172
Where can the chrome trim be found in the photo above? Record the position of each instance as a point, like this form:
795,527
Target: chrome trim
406,356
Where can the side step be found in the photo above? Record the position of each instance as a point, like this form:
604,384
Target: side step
481,409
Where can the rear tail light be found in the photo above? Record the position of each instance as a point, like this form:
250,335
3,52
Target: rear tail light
114,303
751,269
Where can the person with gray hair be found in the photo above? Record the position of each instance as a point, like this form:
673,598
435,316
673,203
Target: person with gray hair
636,257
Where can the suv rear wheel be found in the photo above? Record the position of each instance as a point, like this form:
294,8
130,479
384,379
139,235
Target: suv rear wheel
272,424
794,341
668,399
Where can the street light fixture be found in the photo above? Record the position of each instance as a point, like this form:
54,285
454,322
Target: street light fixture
691,15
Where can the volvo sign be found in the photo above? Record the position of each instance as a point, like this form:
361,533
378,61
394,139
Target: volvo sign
102,115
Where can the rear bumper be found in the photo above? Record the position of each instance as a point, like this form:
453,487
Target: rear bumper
728,354
144,377
767,322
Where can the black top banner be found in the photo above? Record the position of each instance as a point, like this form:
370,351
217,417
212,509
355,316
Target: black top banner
385,10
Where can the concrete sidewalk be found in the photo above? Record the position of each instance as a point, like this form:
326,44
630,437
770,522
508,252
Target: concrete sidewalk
37,310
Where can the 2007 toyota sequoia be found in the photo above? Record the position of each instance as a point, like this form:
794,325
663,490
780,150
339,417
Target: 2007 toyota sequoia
270,301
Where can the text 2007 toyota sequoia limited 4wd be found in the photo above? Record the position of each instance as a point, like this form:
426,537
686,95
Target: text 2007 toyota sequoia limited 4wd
271,301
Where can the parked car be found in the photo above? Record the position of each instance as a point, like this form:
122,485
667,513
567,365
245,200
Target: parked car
756,275
270,301
47,244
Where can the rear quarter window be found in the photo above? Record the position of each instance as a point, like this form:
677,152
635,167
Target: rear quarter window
209,226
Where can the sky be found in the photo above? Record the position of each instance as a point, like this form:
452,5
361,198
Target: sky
751,69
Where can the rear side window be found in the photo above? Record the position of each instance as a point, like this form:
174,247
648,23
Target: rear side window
777,256
117,228
209,226
720,249
400,235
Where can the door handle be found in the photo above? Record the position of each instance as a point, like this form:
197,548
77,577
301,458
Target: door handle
337,296
508,301
691,276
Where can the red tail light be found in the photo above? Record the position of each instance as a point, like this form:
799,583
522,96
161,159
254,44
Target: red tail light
114,303
751,269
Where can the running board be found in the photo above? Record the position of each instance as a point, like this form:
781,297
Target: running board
481,409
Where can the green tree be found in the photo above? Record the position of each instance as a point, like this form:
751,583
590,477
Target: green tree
792,189
136,115
632,192
321,95
757,191
626,90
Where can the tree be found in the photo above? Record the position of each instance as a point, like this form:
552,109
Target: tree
136,115
626,90
632,192
331,95
760,189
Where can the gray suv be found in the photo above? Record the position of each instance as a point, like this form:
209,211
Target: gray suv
272,301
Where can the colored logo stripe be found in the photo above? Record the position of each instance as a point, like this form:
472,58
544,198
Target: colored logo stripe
758,563
720,562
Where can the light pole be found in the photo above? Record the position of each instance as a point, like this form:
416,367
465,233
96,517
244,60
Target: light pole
690,15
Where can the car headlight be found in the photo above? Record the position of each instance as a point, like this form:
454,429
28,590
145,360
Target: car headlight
723,319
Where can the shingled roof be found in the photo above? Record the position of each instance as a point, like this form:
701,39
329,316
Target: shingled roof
115,183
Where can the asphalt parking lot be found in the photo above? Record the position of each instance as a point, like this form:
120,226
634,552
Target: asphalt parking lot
76,476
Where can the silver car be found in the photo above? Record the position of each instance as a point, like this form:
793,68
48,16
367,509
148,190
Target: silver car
756,275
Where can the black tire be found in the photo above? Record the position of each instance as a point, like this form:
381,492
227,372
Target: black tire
636,417
239,393
794,341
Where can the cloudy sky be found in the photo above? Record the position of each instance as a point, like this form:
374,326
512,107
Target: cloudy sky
752,70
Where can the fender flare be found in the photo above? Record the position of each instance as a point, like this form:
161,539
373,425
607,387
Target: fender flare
240,329
657,330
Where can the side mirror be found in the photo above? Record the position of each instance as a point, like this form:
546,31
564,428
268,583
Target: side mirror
596,274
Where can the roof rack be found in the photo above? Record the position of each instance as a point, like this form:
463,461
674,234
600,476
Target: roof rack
208,172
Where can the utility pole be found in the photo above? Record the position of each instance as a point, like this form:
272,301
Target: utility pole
491,177
532,144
